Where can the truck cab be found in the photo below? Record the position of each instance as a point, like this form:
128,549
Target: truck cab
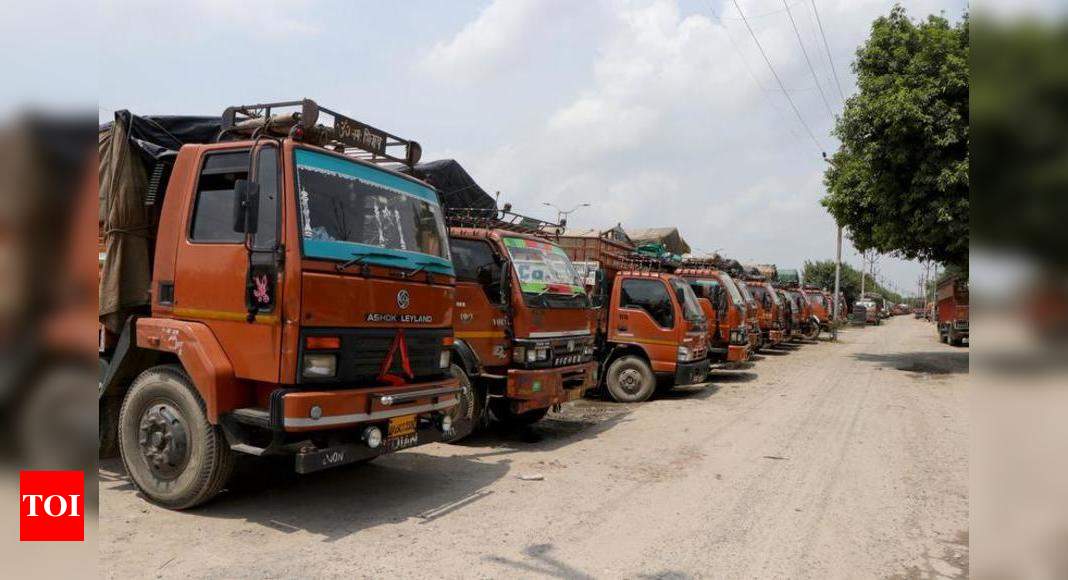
299,300
820,306
951,310
725,310
652,329
524,323
769,307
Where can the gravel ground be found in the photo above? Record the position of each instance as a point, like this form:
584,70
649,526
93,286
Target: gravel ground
818,460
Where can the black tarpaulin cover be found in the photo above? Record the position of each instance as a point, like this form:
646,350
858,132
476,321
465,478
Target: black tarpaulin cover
129,148
457,188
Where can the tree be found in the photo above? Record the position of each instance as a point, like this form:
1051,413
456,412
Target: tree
899,181
821,273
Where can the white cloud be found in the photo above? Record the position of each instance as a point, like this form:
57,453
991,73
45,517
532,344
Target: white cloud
503,35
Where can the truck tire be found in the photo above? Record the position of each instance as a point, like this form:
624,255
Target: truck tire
503,414
468,414
630,380
171,452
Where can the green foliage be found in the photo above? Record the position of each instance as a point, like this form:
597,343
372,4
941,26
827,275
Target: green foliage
899,183
1021,128
821,273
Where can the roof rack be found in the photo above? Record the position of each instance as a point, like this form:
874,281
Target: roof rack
342,134
640,262
701,263
502,219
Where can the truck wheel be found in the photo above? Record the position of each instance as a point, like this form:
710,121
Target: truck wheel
630,380
467,415
170,450
503,414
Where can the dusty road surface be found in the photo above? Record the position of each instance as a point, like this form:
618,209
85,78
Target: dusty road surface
821,460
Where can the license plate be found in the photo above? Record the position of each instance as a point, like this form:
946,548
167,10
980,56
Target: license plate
401,433
400,426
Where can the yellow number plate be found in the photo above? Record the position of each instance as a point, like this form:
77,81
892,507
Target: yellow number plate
401,426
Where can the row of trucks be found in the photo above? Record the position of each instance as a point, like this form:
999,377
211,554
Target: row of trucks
284,280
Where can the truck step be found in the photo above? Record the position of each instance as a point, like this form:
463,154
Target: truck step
253,416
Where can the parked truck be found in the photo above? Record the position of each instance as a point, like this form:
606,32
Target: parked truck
951,310
524,324
267,287
821,307
650,327
725,309
769,310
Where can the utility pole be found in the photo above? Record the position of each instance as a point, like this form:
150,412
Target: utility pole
837,275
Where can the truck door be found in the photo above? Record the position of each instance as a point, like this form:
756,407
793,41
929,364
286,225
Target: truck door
212,281
643,313
481,318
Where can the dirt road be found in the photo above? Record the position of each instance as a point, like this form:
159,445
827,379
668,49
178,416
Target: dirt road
821,460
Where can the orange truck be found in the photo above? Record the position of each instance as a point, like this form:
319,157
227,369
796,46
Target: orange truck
268,287
951,310
650,326
821,305
769,310
524,323
724,307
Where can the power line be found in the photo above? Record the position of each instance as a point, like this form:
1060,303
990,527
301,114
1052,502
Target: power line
777,79
827,47
808,61
760,87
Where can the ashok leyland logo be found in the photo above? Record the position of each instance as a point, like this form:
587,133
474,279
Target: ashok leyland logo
403,300
51,506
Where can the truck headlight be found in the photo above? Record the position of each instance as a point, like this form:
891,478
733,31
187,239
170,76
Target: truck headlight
319,366
542,353
519,354
446,359
532,355
685,354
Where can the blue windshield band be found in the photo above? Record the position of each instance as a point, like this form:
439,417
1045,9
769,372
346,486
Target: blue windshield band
344,250
360,171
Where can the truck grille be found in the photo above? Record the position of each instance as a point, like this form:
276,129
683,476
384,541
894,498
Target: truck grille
364,350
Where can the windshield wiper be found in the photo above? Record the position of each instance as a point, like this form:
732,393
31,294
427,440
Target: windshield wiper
422,266
359,257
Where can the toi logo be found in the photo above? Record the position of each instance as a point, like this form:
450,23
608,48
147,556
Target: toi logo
51,506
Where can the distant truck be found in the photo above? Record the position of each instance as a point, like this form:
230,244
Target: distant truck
821,307
524,323
951,308
268,287
650,324
725,308
769,311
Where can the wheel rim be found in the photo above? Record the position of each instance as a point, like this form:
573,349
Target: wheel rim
630,380
163,438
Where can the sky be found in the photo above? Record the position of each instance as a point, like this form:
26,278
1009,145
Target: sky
655,112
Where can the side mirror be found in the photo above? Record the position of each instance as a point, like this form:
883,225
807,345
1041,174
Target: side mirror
246,206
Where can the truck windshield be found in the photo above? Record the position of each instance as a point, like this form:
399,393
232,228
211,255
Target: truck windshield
691,310
348,209
744,289
732,289
546,274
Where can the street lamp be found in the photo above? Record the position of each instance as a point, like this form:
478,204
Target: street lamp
561,215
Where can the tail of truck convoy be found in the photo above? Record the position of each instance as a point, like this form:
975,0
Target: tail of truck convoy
650,325
725,309
951,310
267,287
524,323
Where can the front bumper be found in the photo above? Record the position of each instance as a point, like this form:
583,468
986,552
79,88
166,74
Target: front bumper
317,459
542,388
738,353
292,410
690,373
